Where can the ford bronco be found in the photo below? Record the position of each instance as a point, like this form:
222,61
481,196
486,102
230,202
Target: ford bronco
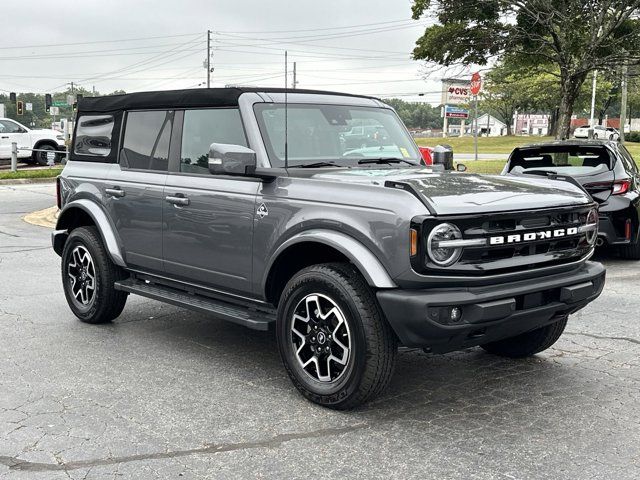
248,205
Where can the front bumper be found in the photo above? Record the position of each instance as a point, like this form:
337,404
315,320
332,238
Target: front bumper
421,318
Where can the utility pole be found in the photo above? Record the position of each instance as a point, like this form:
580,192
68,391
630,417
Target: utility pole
295,82
623,101
208,58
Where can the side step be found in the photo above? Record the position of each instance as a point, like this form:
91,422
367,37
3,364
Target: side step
246,316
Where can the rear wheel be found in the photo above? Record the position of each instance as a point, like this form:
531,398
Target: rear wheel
631,252
529,343
88,277
48,155
336,346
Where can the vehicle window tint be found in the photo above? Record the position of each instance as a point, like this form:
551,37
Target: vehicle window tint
204,127
9,127
146,140
93,135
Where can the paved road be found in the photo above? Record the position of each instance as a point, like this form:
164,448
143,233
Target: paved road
165,393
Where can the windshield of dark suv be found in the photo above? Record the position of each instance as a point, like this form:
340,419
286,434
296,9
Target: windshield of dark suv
565,159
327,135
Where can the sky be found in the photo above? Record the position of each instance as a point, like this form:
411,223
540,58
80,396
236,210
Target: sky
352,46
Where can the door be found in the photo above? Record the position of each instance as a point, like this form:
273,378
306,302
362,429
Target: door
13,132
135,190
208,220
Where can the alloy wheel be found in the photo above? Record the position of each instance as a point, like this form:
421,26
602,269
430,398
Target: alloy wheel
82,276
321,338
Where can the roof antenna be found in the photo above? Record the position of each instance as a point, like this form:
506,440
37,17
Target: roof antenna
286,108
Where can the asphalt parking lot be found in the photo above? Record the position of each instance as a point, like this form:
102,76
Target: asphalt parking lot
166,393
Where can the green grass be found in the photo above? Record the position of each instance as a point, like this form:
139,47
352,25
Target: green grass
493,167
501,144
40,173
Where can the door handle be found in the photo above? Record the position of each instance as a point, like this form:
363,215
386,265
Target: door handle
4,137
115,192
178,200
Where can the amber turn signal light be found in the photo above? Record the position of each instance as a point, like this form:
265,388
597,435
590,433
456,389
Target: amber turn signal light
414,242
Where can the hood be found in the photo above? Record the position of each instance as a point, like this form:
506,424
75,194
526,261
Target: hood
452,193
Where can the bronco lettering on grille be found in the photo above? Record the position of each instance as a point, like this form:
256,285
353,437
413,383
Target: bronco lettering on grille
531,236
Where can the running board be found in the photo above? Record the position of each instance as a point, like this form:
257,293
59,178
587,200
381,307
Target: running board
246,316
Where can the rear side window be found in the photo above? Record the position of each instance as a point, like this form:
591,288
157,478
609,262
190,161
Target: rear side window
146,140
93,135
204,127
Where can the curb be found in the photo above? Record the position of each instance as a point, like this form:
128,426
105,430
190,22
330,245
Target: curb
26,181
43,218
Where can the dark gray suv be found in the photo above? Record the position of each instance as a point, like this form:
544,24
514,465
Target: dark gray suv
247,204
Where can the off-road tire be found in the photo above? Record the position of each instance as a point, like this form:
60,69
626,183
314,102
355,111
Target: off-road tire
374,346
630,252
107,302
527,344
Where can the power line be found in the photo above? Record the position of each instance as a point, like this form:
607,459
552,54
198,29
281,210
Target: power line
318,29
96,42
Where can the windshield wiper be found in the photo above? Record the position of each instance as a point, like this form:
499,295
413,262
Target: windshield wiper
315,165
387,160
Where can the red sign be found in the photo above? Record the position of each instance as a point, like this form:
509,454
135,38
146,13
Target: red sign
476,83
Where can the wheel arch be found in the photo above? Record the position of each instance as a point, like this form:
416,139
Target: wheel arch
45,141
320,246
83,212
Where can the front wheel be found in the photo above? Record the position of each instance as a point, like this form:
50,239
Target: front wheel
88,277
529,343
334,341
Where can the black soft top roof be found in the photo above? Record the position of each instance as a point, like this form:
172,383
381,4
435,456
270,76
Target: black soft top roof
191,98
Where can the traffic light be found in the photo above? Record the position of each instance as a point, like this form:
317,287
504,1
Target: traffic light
47,102
20,108
12,97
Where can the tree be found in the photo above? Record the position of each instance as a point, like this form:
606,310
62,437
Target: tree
568,38
416,115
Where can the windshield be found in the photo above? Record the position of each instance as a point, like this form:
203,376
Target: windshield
569,160
336,134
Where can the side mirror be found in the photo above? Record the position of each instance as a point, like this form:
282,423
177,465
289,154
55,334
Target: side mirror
225,159
461,167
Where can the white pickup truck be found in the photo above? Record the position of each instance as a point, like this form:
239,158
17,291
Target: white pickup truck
49,141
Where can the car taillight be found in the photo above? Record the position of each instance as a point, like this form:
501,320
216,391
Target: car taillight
617,188
58,194
620,187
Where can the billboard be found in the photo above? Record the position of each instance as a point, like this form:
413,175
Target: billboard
455,91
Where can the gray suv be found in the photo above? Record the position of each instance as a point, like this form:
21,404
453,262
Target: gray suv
246,204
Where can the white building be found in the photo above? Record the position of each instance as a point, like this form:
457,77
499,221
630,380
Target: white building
495,127
530,124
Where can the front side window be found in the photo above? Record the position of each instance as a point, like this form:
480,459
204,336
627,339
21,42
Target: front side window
93,135
7,126
146,140
340,134
204,127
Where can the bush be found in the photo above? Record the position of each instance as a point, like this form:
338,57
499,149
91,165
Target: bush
632,137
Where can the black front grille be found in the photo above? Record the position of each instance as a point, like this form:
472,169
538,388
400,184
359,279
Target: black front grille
514,255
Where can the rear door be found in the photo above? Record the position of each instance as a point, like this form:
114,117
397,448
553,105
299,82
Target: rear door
208,219
135,190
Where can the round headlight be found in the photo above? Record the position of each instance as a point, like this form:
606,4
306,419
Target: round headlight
592,219
441,255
